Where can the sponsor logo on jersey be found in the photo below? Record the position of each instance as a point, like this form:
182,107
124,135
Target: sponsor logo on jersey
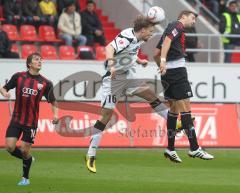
29,91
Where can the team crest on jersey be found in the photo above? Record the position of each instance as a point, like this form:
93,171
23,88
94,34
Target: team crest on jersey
40,86
121,42
174,32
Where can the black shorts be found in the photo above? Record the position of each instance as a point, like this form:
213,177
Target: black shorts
176,85
28,134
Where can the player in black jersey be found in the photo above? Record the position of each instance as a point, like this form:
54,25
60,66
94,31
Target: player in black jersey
29,86
169,56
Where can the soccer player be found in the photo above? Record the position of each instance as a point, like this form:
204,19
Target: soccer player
169,56
121,57
30,86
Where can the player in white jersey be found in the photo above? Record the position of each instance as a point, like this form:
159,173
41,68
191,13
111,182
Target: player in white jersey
121,57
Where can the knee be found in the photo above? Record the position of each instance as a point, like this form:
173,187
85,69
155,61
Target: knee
25,153
10,148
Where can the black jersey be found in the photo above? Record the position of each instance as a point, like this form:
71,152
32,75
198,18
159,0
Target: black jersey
175,31
29,92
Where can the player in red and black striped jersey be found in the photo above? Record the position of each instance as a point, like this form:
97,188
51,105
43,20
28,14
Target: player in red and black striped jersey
169,56
30,87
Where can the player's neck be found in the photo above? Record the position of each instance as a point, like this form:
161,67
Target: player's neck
182,22
33,72
138,36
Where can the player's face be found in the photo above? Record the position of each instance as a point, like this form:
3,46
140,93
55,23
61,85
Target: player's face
36,63
190,20
147,33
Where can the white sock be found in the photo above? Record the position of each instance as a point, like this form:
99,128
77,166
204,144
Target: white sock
162,110
95,141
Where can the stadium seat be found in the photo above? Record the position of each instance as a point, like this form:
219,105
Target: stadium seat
11,30
14,48
66,53
48,52
28,33
235,58
85,52
28,49
100,53
108,24
47,34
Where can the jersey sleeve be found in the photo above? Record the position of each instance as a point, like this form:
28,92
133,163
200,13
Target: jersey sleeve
120,43
48,94
12,83
174,31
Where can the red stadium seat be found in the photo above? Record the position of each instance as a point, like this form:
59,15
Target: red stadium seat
28,49
235,58
28,33
47,33
48,52
108,24
100,53
14,48
11,30
66,53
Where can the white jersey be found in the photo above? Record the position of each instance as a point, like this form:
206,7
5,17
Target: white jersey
126,47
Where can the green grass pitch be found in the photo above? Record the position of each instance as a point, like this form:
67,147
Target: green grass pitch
123,171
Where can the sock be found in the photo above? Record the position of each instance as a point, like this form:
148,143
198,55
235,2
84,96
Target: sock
94,143
96,138
26,167
97,128
188,126
160,108
171,126
17,153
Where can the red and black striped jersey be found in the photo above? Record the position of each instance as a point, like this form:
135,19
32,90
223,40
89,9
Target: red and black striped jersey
29,92
175,31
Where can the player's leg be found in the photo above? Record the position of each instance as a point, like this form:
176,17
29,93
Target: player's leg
111,91
158,106
171,132
11,147
188,126
28,138
100,125
12,135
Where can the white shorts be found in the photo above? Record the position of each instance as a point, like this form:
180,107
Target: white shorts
123,84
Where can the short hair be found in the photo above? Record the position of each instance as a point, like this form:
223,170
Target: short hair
141,22
230,2
187,13
30,57
90,2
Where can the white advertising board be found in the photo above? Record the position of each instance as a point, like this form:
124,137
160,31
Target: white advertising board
81,80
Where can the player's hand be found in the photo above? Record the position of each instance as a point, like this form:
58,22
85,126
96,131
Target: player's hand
144,62
113,72
7,95
162,68
55,120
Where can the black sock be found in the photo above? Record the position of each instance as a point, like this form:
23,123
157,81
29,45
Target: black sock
17,153
99,125
171,127
188,126
26,167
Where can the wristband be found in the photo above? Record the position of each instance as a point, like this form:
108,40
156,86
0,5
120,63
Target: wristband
163,59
